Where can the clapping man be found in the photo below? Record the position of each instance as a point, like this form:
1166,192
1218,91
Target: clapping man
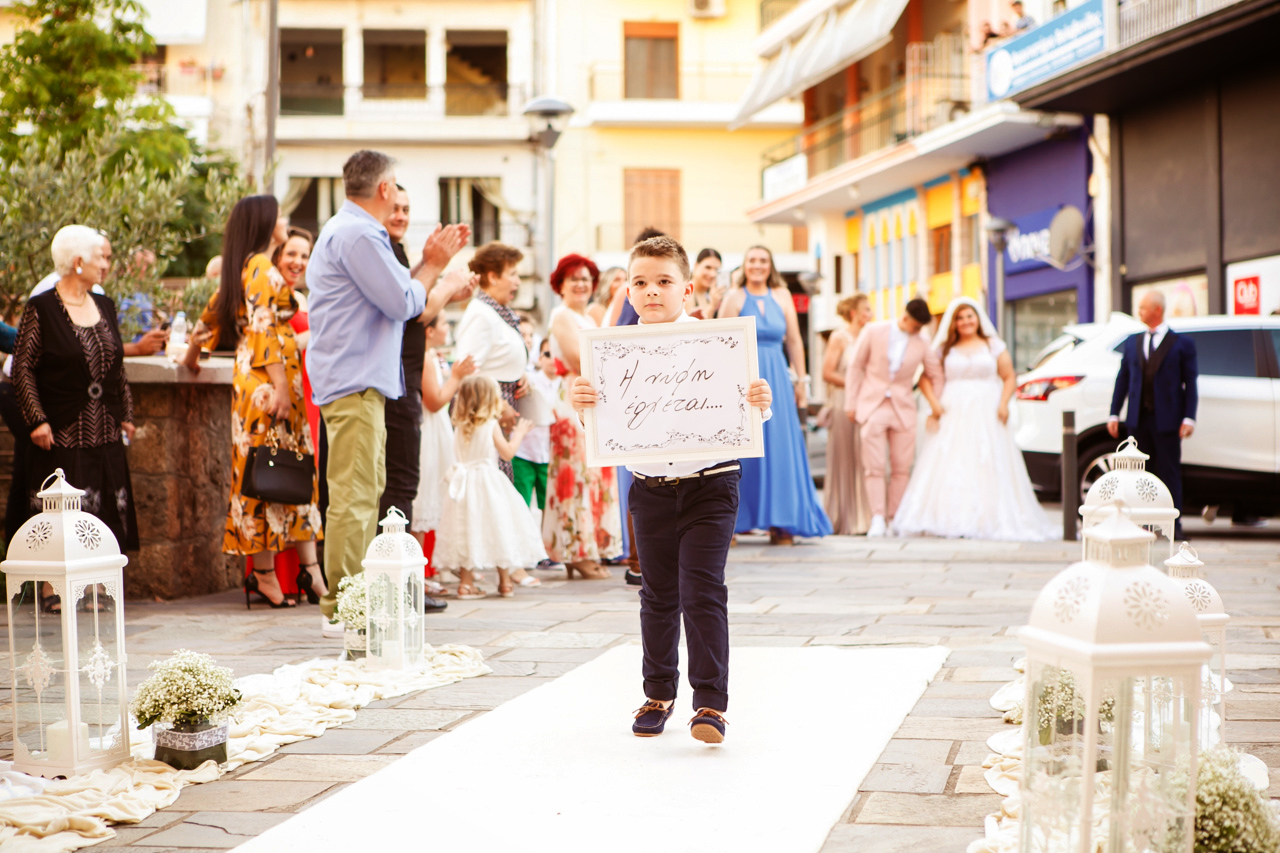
361,297
1158,374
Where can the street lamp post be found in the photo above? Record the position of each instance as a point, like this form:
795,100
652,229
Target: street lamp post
997,229
547,118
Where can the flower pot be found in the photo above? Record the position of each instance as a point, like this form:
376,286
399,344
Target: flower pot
355,644
185,746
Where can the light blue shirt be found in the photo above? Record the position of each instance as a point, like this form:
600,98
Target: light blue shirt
360,299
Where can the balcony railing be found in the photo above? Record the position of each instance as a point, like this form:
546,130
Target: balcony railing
772,10
1142,19
724,236
718,83
160,79
451,99
935,91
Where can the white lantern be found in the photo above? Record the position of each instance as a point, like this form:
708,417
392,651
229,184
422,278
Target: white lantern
1112,707
70,701
1186,570
393,567
1149,501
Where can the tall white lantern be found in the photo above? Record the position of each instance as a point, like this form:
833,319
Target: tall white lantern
1187,571
1149,501
1112,706
70,700
393,567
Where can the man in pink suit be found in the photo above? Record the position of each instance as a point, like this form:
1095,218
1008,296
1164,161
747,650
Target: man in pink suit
878,396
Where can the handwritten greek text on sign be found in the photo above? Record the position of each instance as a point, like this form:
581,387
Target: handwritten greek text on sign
672,392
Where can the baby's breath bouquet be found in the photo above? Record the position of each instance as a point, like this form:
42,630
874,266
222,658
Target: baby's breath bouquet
1232,816
186,690
353,602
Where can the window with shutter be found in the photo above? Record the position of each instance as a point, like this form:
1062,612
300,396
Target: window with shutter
651,199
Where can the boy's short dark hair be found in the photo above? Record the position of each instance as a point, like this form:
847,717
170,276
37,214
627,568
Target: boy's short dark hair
662,247
918,310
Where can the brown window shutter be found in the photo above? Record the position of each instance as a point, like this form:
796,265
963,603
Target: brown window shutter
651,198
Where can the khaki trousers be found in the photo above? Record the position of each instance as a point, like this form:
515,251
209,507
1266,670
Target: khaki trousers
883,426
357,473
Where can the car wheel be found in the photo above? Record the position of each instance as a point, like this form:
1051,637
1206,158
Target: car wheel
1095,461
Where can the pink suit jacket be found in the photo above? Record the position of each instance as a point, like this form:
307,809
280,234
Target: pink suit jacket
867,378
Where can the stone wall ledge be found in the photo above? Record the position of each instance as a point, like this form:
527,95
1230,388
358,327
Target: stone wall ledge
159,370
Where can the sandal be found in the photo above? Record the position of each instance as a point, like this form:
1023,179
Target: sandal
470,591
307,582
507,591
51,603
251,585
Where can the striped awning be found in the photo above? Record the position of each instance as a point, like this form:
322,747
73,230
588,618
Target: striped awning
834,38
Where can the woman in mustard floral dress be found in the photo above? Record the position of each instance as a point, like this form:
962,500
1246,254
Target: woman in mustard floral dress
251,312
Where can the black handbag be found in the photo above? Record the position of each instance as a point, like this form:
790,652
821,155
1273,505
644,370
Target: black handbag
278,476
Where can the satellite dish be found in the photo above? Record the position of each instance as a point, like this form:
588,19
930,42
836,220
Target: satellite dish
1066,236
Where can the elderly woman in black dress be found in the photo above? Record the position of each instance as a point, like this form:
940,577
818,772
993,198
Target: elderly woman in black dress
68,371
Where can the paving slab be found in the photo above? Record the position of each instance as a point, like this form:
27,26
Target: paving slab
966,810
216,830
342,741
407,719
907,778
235,795
916,752
482,693
866,838
321,768
409,743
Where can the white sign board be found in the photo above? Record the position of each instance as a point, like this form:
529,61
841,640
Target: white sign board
672,392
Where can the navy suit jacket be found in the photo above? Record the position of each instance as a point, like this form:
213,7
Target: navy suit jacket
1176,396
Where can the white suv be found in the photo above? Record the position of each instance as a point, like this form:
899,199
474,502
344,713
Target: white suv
1232,460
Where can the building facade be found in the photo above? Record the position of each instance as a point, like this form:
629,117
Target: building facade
654,86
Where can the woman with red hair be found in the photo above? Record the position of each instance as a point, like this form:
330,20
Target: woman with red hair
581,525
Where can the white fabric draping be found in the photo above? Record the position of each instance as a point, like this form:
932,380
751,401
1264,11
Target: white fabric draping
293,703
835,38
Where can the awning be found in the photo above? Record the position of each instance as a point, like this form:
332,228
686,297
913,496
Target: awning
836,38
175,21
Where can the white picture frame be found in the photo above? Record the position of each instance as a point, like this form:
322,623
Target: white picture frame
672,392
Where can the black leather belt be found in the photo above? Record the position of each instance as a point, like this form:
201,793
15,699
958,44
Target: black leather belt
697,475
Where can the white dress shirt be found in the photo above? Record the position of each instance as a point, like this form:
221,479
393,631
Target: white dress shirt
682,469
536,446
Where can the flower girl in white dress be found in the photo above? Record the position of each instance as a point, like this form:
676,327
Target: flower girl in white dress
485,523
970,479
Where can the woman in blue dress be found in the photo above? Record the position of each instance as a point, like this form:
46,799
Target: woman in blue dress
776,491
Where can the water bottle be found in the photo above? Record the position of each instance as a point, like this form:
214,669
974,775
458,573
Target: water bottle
177,336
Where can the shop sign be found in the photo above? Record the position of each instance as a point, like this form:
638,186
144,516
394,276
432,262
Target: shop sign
1041,53
1028,242
1255,286
785,177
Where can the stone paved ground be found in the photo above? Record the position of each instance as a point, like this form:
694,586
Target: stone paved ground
927,790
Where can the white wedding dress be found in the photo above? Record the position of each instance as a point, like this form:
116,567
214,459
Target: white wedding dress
485,523
970,479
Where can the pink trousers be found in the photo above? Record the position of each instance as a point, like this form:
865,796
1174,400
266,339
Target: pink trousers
883,426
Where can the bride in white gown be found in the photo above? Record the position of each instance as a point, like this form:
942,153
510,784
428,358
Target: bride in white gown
970,479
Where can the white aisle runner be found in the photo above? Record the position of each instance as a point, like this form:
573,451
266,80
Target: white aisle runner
557,769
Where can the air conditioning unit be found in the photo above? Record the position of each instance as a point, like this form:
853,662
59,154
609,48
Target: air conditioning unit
706,8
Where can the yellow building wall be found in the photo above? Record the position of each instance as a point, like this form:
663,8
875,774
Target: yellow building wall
719,170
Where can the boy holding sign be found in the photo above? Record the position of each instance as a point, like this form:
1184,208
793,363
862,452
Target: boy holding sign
684,514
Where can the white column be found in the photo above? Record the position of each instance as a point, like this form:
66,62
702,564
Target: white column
1100,191
352,68
437,70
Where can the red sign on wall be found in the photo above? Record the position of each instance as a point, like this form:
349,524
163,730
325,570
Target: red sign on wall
1247,294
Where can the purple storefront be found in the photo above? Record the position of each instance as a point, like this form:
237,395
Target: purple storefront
1028,187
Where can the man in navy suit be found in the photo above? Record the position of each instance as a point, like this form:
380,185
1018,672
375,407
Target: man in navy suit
1158,375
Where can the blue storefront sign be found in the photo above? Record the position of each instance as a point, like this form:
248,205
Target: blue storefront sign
1028,243
1043,52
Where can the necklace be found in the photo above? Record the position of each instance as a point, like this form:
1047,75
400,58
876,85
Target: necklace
63,297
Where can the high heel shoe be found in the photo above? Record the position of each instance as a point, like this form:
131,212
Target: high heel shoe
251,585
589,569
307,583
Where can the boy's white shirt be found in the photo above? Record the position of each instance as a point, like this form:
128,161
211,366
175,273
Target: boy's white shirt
536,446
682,469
